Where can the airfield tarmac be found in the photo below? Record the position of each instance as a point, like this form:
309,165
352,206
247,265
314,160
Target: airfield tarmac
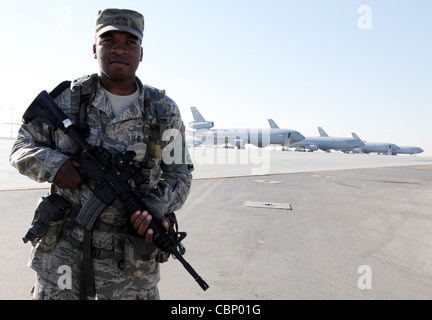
275,225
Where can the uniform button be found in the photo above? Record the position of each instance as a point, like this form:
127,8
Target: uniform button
47,175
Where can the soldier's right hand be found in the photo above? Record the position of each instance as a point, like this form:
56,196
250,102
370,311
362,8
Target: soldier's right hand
67,176
141,221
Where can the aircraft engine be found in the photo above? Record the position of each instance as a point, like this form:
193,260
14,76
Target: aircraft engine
312,147
202,125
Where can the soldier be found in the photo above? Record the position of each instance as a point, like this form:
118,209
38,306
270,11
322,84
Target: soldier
118,112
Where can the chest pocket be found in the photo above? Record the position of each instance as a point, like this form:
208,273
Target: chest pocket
134,136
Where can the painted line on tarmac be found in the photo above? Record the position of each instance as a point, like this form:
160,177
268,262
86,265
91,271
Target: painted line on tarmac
24,188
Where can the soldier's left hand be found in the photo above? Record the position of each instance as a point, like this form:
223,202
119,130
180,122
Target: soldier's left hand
141,221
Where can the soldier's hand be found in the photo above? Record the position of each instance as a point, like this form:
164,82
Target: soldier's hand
67,176
141,221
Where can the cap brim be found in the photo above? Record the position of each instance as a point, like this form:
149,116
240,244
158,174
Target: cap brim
118,28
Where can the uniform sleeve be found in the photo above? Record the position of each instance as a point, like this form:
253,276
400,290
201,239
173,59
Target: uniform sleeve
176,178
33,153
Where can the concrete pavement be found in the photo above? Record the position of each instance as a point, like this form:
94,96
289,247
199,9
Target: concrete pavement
359,228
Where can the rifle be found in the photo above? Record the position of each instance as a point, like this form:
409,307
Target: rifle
111,172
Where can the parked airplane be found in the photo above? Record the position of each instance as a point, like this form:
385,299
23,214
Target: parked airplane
408,150
240,137
325,143
376,147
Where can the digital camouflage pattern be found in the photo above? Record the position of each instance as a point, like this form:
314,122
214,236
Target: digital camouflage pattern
120,20
126,267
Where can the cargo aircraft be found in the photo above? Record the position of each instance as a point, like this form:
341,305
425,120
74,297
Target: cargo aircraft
239,137
386,148
324,142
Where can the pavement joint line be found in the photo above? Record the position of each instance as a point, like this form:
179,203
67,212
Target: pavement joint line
253,175
307,171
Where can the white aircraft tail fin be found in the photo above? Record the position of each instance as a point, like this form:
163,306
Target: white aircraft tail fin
273,124
322,132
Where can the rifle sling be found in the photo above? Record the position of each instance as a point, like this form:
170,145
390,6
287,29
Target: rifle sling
87,286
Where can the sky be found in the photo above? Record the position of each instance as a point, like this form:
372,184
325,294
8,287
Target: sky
344,65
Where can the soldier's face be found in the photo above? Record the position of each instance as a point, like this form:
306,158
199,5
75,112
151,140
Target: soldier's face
118,54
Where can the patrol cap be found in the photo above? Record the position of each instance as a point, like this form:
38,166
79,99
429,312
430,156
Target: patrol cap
120,20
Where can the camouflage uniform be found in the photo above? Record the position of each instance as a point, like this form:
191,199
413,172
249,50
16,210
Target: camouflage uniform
124,266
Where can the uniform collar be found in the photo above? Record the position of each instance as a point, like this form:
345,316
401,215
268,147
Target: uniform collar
101,102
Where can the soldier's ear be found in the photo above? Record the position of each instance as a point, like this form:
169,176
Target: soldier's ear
94,51
141,58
